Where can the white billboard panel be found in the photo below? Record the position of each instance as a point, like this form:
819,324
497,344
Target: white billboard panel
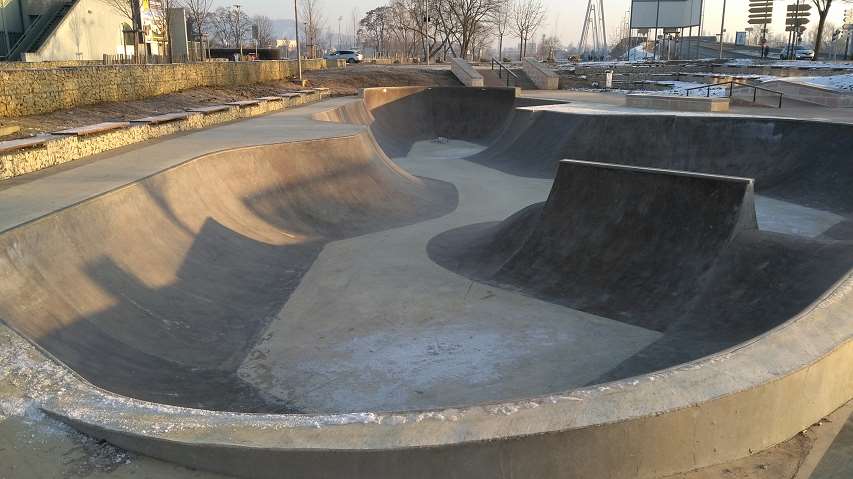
665,13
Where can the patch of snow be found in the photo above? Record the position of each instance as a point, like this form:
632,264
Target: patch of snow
835,82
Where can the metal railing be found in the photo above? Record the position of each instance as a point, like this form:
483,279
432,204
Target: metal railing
501,69
731,87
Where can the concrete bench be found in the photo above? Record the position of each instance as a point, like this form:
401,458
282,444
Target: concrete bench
465,72
207,110
160,119
39,141
677,103
95,129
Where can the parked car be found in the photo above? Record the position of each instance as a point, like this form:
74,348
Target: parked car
798,52
351,56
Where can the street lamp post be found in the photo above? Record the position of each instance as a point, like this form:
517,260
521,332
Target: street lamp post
239,32
722,28
296,26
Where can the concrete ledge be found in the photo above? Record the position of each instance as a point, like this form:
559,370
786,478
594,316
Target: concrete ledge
244,103
677,103
465,73
543,78
802,91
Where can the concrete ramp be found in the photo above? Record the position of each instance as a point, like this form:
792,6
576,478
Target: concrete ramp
159,290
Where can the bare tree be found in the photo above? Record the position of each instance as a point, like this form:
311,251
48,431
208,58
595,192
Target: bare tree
199,14
463,18
229,28
500,20
266,35
122,7
312,16
528,16
822,7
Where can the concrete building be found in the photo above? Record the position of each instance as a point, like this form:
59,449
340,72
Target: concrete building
58,30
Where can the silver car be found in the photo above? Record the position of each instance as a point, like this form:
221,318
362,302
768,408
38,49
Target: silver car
351,56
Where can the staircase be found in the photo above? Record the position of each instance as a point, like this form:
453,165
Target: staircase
40,31
491,79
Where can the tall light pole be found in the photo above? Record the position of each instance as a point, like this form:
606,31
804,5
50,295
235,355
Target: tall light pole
239,32
296,27
340,39
722,28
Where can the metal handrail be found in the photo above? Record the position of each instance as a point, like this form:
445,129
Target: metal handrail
502,67
731,84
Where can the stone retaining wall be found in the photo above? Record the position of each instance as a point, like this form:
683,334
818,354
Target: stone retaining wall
58,149
32,91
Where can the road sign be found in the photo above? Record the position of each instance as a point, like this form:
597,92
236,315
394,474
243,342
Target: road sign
791,28
796,21
801,7
758,22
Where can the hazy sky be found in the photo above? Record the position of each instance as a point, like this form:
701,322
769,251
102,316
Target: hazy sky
565,17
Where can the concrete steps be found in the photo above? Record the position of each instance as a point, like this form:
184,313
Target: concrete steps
491,79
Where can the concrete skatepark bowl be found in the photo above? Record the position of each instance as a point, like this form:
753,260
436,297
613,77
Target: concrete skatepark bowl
468,284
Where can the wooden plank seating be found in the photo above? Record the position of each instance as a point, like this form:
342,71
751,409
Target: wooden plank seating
207,110
270,98
244,103
38,141
290,95
93,129
160,119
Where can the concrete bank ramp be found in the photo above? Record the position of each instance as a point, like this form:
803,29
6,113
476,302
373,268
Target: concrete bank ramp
158,290
675,252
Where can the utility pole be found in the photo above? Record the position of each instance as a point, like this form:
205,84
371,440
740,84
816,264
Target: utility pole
722,28
239,32
296,26
340,19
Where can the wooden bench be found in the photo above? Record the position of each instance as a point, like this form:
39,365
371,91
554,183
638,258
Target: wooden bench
270,98
10,146
94,129
160,119
244,103
207,110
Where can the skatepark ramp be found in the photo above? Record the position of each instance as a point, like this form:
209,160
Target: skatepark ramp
436,291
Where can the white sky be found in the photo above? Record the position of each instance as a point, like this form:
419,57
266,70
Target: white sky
565,17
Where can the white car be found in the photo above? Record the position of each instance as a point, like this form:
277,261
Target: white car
798,53
351,56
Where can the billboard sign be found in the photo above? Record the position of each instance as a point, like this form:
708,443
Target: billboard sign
665,13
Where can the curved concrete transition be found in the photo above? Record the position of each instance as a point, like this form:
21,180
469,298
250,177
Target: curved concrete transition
470,285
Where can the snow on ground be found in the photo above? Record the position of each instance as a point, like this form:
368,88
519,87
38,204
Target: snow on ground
682,88
836,82
789,63
638,53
